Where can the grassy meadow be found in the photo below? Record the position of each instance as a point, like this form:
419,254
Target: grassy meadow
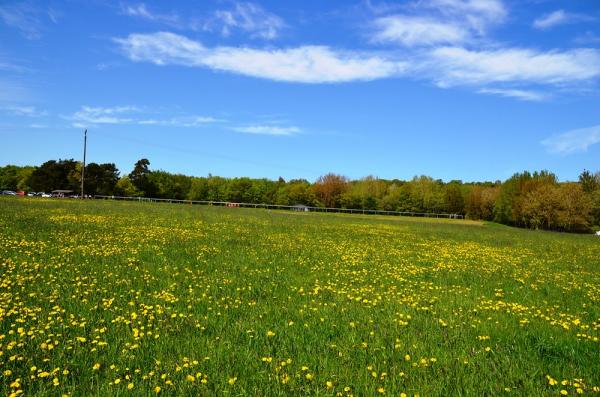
142,299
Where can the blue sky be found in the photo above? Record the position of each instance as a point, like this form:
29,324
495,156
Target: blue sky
455,89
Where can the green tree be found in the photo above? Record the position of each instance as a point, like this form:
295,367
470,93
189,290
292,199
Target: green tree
589,182
198,189
595,207
54,175
575,208
101,179
454,200
13,177
126,188
140,177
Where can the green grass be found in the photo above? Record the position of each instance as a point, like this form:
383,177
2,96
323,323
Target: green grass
289,303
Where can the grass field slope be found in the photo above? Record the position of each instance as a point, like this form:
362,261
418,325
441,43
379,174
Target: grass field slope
143,299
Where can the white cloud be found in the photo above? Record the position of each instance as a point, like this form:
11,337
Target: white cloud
524,95
516,70
268,130
459,66
411,31
305,64
573,141
247,17
549,20
559,17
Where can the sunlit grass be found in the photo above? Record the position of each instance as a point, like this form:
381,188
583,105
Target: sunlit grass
109,298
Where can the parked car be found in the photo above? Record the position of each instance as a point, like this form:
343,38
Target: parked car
8,193
46,195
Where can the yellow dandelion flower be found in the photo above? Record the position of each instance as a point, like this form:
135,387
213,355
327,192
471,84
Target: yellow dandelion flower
231,381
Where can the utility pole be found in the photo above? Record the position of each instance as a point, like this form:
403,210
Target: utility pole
83,168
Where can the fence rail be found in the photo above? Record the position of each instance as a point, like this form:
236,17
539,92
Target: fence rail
297,208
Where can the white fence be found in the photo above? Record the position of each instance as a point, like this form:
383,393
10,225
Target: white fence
299,208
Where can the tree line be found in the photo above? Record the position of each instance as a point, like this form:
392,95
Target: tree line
533,200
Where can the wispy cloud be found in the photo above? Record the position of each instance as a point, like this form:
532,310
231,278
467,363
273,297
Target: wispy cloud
411,31
524,95
446,42
267,130
28,18
88,115
437,22
459,66
446,66
185,121
573,141
305,64
558,17
133,115
248,18
13,91
477,12
140,10
587,38
28,111
11,67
